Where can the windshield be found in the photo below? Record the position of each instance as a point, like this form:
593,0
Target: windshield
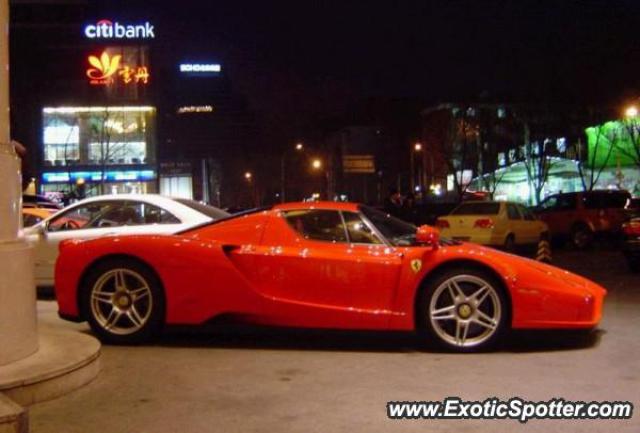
396,231
210,211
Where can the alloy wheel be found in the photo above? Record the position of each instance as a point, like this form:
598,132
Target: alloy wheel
121,301
465,311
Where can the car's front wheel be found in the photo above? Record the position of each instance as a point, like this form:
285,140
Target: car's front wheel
463,310
123,302
581,236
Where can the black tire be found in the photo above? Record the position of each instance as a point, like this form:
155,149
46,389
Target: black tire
510,243
101,283
581,236
634,265
440,332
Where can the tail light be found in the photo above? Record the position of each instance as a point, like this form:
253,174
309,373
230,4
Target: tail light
483,223
442,224
631,228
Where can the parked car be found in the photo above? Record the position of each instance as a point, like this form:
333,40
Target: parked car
494,223
33,215
39,201
631,245
317,265
113,215
580,216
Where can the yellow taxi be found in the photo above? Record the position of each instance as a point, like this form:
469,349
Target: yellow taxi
493,223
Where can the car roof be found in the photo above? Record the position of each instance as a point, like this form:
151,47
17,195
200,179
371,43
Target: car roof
325,205
183,212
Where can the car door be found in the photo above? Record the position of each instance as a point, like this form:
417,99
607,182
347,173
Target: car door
83,221
316,274
514,221
546,211
531,227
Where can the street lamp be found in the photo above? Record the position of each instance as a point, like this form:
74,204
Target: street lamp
248,176
631,111
316,164
299,147
417,149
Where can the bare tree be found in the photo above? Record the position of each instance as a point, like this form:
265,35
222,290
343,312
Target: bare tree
537,162
460,150
109,152
591,168
631,126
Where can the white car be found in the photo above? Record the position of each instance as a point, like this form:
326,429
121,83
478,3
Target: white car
112,215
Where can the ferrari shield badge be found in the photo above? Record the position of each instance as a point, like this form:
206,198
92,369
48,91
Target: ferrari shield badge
416,265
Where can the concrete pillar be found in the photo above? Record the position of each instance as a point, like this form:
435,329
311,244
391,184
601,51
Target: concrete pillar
18,330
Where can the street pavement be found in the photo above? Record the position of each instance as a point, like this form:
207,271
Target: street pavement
265,380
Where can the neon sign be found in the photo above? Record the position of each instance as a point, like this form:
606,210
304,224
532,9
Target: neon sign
107,29
200,67
195,109
106,69
97,176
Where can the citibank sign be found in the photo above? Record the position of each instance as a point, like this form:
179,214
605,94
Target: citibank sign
107,29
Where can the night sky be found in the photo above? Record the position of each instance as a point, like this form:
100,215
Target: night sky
300,61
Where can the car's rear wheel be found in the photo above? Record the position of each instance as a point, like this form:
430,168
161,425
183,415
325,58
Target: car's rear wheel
581,236
510,243
463,310
123,302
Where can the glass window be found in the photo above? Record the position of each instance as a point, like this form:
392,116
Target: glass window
359,232
606,200
549,203
321,225
98,135
477,208
512,212
81,217
526,214
138,213
566,202
29,220
396,231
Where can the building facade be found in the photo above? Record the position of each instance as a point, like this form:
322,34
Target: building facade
111,102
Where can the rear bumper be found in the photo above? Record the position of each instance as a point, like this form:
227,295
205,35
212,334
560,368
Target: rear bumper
488,238
631,248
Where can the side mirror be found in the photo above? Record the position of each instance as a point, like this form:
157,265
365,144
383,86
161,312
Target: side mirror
428,235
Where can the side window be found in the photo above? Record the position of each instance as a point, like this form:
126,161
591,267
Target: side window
549,203
359,232
319,225
138,213
29,220
566,202
526,214
81,217
512,212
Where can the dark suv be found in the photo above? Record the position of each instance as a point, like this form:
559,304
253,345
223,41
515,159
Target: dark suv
579,216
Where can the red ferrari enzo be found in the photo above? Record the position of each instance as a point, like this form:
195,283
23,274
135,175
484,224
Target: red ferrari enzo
316,265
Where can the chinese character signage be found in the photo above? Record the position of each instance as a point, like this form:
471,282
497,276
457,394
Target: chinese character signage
108,69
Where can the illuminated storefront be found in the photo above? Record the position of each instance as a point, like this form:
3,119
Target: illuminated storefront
105,142
610,162
110,149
